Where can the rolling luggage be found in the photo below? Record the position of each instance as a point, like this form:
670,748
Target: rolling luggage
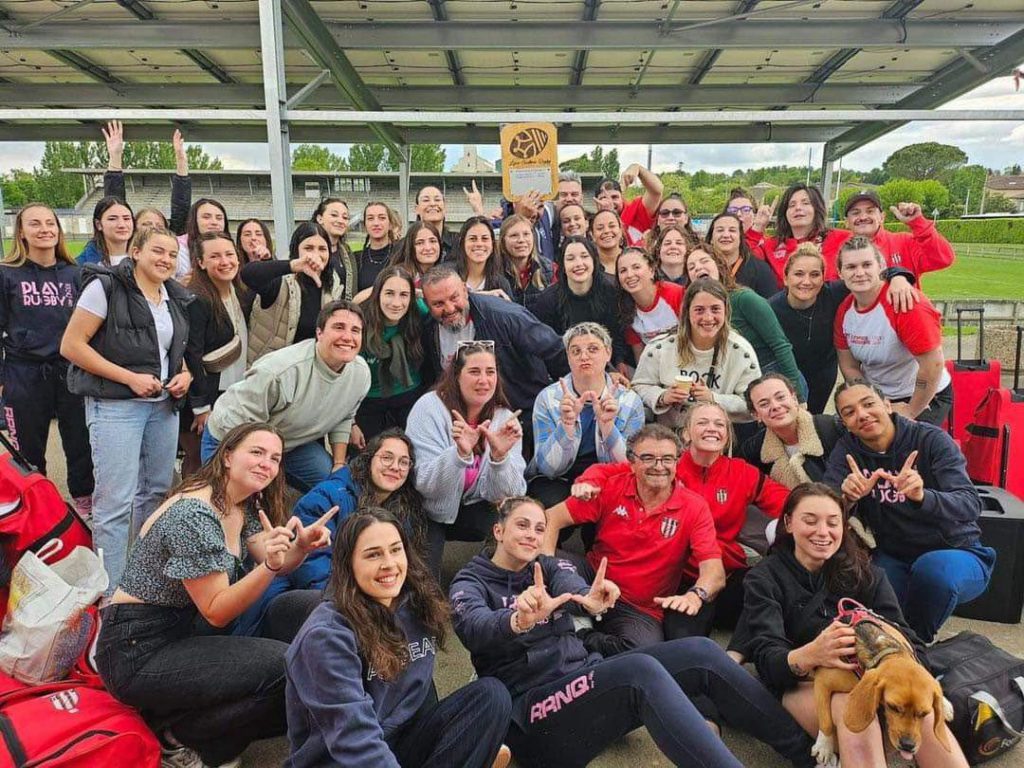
1002,528
971,378
994,447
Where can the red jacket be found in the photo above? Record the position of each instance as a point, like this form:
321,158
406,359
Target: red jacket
776,253
729,486
920,250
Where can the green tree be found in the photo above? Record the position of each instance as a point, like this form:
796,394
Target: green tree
367,157
316,157
965,188
427,158
376,157
929,160
610,164
929,194
20,187
60,189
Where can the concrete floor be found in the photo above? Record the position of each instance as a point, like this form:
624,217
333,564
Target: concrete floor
636,750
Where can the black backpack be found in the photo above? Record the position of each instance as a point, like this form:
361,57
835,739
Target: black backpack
985,684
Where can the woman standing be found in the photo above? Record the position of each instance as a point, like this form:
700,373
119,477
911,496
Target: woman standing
527,271
803,218
704,361
792,446
207,552
421,249
752,317
253,241
606,233
307,280
357,693
672,212
379,243
127,341
113,226
790,607
478,263
581,294
393,351
669,250
205,215
333,215
648,307
725,236
572,221
218,335
469,448
513,610
39,285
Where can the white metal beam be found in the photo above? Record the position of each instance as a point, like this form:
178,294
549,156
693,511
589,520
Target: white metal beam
277,129
812,32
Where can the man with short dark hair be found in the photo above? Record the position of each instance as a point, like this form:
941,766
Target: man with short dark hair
907,481
648,525
920,250
306,390
530,355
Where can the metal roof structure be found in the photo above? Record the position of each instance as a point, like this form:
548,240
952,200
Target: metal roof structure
837,72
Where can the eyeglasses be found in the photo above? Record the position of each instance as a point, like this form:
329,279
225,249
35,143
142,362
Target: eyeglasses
666,212
474,345
649,460
740,209
388,460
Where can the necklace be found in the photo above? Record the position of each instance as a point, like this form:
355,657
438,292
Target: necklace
385,255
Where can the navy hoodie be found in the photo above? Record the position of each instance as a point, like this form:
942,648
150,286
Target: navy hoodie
483,596
339,711
35,306
947,517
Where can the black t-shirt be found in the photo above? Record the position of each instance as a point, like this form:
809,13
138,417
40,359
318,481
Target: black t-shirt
371,262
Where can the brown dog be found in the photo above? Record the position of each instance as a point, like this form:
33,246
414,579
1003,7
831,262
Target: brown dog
893,678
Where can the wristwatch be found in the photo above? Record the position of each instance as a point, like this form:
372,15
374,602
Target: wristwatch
701,593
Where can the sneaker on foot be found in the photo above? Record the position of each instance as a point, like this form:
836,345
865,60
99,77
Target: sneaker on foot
180,757
83,506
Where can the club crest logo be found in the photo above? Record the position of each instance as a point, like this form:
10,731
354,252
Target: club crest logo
721,495
65,701
620,511
669,526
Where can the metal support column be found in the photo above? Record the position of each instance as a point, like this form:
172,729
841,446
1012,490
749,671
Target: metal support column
827,170
275,96
404,160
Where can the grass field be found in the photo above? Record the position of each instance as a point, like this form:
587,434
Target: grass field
980,272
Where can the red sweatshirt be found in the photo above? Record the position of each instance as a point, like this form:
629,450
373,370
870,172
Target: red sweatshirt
729,486
776,253
920,250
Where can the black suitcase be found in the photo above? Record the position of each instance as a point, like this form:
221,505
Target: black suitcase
1002,528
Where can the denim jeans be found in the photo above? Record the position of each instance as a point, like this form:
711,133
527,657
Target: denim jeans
134,444
304,466
930,587
215,694
652,687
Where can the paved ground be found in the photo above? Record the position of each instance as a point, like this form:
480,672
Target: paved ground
454,670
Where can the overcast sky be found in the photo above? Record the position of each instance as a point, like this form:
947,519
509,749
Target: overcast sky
992,144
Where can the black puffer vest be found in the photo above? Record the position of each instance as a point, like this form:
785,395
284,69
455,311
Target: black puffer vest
128,335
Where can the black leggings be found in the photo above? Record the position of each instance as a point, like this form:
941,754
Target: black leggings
572,720
723,612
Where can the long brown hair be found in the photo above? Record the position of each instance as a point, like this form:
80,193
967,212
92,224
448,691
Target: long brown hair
406,503
407,256
626,304
511,271
848,571
214,474
382,644
725,275
19,251
685,332
450,394
819,227
408,326
202,285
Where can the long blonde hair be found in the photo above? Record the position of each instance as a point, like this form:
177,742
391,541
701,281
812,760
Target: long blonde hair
19,251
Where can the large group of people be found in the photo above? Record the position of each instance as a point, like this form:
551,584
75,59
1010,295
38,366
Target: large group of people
581,365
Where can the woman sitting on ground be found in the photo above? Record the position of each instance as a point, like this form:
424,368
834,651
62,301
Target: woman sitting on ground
207,552
792,446
469,449
360,672
704,361
790,610
514,610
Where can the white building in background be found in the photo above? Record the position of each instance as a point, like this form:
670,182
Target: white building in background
471,162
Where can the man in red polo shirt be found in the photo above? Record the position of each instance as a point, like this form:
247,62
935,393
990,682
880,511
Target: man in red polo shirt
648,525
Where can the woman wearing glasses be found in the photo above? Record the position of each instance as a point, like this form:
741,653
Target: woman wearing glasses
469,448
377,477
672,212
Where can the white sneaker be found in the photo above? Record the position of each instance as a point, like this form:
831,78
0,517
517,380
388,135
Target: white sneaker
181,757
